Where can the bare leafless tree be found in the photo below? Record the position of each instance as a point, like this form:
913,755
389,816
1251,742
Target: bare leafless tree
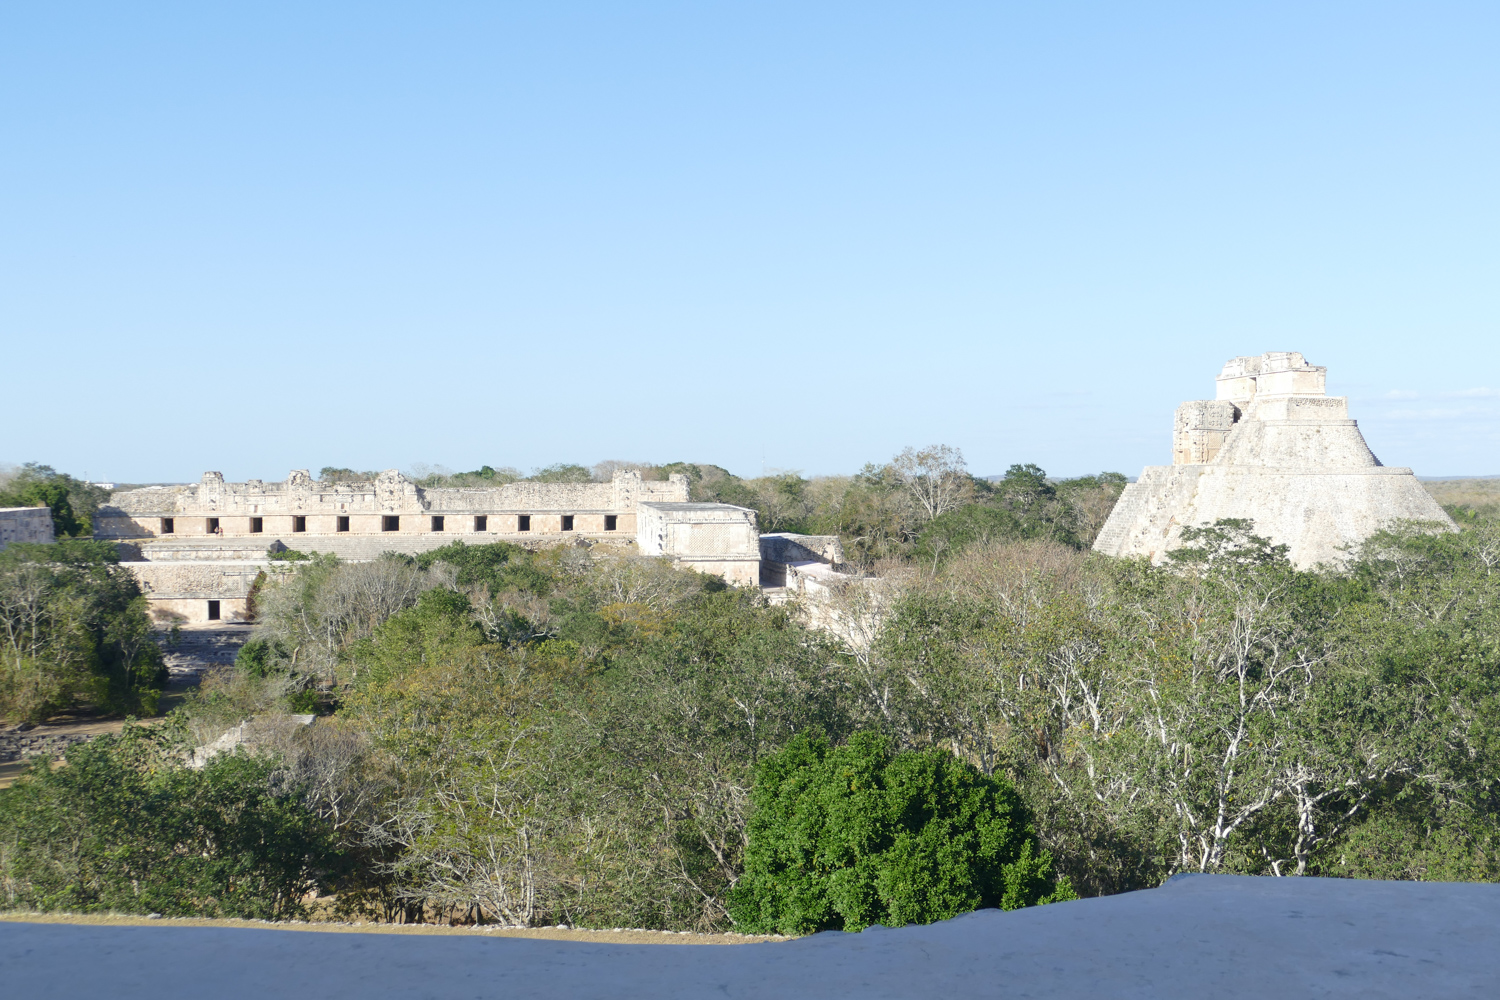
317,610
935,478
333,766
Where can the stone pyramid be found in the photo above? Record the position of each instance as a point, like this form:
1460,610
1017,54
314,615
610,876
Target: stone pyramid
1275,448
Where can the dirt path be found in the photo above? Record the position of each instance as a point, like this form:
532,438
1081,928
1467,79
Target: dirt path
545,933
199,649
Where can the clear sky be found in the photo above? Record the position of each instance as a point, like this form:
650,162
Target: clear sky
257,237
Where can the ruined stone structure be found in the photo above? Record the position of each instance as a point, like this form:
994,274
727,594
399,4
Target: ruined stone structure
25,524
714,538
200,589
1272,447
801,563
197,549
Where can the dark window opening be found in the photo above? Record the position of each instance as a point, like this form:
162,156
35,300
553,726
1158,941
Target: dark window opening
482,523
213,611
523,522
567,522
211,525
437,522
390,522
611,522
257,525
342,524
299,523
166,526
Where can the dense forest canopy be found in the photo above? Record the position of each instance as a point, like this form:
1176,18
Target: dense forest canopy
581,736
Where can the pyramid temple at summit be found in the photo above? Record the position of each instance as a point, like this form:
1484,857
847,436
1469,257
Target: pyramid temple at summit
1272,447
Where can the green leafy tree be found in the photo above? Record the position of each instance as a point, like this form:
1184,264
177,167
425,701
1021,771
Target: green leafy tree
73,629
1024,504
496,567
951,533
562,472
338,474
72,501
845,837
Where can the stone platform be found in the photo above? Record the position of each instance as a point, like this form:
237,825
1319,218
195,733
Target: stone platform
1199,936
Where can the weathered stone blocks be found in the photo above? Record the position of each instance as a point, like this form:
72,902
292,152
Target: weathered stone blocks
31,525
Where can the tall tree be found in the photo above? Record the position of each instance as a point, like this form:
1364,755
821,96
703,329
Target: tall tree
935,478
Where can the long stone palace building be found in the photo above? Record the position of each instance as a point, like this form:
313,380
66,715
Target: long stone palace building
1273,447
197,549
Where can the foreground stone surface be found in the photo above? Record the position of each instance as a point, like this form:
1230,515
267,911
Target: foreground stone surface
1202,936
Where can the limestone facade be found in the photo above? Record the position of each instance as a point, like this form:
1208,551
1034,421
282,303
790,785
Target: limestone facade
708,537
390,507
199,590
197,549
1272,447
25,524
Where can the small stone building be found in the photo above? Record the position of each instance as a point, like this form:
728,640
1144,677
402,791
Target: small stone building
1272,447
708,537
25,524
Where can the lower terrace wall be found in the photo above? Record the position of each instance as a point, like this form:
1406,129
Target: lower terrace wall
1321,516
194,590
348,547
182,576
782,552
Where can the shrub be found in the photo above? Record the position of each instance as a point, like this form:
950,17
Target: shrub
125,826
845,837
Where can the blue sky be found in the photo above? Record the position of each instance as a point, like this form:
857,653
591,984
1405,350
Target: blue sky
257,237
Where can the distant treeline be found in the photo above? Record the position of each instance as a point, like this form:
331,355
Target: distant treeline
73,502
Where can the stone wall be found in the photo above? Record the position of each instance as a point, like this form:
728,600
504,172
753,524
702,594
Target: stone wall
1199,430
1291,460
787,547
186,589
1275,372
785,557
26,525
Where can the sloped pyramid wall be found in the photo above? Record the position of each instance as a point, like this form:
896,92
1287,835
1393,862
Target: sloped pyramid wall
1293,462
